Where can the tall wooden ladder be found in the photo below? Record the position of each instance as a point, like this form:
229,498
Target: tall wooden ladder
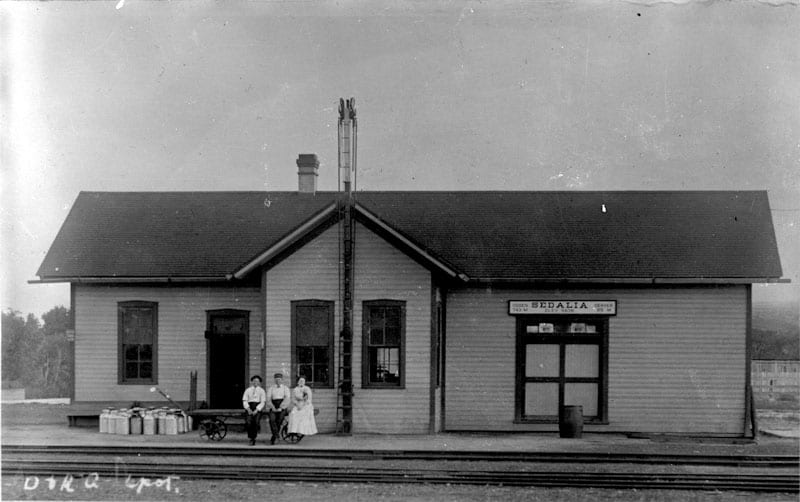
347,161
344,405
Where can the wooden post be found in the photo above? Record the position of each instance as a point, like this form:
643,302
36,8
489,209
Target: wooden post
192,390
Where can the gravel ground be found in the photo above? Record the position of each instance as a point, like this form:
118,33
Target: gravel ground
13,488
166,462
39,416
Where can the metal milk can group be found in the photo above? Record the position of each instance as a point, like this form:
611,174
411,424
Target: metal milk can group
148,421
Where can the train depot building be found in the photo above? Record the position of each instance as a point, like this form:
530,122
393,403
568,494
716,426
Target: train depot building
472,311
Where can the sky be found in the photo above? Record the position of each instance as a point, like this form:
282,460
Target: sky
545,95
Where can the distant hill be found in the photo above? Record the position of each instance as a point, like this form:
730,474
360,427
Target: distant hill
776,331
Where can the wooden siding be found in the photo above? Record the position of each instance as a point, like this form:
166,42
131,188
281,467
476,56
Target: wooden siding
384,272
676,359
181,337
381,272
310,273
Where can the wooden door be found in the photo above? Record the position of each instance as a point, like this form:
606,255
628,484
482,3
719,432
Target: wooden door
227,357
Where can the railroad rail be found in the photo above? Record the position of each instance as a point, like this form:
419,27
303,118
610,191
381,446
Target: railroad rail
614,480
787,461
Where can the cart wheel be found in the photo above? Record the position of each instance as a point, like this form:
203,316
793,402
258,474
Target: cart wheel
220,432
207,429
289,437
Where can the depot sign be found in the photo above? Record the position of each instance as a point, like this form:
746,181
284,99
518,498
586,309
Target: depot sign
585,307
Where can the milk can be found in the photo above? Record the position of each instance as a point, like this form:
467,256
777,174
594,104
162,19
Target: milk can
111,420
162,422
181,421
189,423
123,425
172,424
149,423
104,421
136,421
114,422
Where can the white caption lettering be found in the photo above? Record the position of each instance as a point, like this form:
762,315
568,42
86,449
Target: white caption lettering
66,484
91,481
141,483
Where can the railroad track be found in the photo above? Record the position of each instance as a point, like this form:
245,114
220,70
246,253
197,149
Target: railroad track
294,473
788,461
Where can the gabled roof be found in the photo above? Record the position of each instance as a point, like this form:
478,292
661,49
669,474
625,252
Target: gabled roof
173,234
558,235
493,236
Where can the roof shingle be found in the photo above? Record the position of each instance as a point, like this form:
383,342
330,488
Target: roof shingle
497,235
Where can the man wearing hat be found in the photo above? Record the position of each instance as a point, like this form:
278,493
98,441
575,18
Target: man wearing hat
253,401
278,399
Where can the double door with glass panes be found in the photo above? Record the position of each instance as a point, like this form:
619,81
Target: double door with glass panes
561,362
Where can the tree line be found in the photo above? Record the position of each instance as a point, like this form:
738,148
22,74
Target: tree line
36,353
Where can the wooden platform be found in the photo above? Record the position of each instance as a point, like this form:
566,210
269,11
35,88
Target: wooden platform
87,413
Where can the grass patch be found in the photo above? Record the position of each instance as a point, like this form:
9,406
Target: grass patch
777,401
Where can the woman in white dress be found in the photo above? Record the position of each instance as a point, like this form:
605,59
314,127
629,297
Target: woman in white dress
301,419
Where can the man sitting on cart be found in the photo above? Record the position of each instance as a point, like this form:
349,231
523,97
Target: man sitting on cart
279,397
253,400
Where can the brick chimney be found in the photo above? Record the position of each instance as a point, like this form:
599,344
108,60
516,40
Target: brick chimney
307,165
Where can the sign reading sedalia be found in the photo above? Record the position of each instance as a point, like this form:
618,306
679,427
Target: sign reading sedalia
586,307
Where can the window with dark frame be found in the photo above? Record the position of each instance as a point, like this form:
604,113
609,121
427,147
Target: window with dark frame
561,362
383,343
137,327
312,341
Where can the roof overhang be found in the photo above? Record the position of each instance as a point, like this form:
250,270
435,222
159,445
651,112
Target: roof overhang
120,279
420,253
286,241
628,280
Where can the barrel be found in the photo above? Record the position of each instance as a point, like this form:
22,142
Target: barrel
570,424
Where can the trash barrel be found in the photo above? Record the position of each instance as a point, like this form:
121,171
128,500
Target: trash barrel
571,423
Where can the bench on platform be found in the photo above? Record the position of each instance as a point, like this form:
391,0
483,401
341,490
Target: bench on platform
84,420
